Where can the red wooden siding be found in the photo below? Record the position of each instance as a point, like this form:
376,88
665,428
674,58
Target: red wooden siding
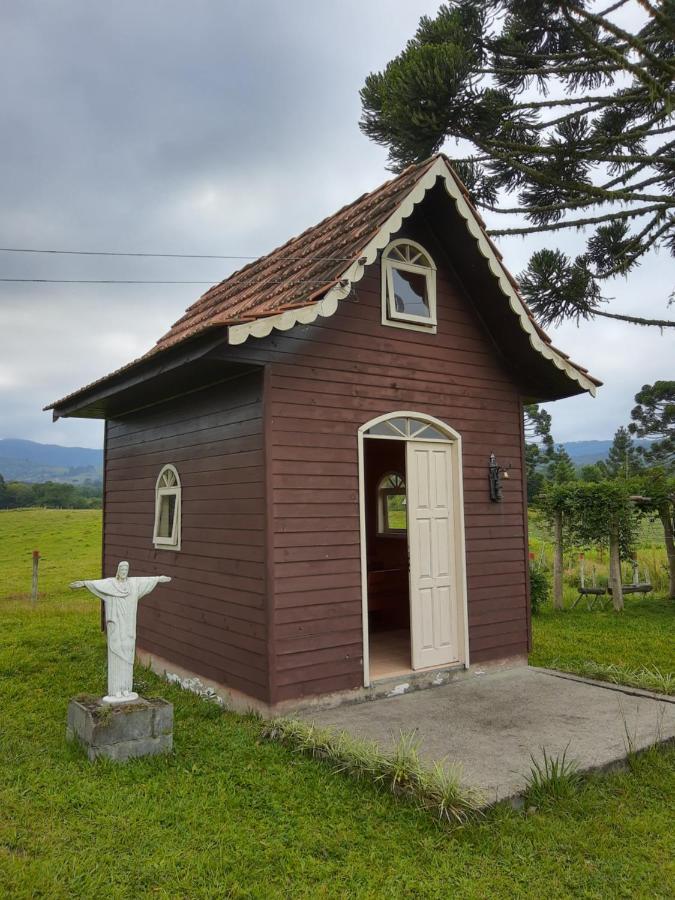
212,618
324,381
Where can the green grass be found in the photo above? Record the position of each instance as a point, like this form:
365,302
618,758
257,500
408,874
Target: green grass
643,635
231,815
633,648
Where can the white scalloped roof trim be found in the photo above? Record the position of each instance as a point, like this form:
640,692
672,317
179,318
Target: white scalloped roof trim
327,306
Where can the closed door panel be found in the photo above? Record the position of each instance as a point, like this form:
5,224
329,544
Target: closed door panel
433,613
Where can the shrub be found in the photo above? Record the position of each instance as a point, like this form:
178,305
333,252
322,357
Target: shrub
540,588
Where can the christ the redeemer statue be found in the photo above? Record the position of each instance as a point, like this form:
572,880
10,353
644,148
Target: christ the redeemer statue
120,596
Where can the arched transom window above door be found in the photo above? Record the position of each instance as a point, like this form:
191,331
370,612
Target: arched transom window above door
407,428
408,287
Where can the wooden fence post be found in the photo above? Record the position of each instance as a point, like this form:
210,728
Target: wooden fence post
557,561
36,563
615,568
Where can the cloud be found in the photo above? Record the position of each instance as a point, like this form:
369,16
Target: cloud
206,127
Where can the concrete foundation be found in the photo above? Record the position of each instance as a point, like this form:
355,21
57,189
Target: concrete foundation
139,728
393,686
490,725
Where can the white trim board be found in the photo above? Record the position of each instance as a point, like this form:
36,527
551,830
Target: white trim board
327,306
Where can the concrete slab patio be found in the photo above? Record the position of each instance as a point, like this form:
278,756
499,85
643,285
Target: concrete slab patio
490,724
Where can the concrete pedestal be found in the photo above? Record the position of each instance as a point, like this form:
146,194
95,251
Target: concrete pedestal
139,728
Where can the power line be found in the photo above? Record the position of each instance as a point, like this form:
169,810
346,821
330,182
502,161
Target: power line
92,281
170,255
263,282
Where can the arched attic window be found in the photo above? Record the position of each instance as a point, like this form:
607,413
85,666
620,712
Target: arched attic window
408,287
391,505
167,510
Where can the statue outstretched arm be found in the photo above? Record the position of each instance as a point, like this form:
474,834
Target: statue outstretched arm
76,584
164,579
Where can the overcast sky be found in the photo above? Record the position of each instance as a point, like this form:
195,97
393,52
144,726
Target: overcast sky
207,127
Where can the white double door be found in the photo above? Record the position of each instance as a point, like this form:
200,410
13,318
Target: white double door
431,544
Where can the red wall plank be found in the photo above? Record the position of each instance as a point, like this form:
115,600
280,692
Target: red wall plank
212,618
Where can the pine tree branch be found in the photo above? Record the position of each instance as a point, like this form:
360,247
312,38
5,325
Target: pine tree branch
631,39
608,52
643,248
557,207
551,123
603,100
580,187
541,71
613,7
655,179
541,151
656,13
579,223
634,320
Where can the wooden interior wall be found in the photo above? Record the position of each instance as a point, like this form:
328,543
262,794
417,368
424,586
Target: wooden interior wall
327,379
212,618
387,554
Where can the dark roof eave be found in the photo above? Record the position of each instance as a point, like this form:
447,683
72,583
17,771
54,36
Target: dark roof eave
133,375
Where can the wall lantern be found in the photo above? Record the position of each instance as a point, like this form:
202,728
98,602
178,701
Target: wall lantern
496,473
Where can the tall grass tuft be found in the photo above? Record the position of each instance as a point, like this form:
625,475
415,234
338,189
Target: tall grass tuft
647,678
437,790
551,779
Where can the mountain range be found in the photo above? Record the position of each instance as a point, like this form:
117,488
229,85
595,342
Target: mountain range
29,461
33,462
584,453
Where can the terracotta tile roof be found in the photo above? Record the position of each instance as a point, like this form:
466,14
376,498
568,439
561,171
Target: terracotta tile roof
301,270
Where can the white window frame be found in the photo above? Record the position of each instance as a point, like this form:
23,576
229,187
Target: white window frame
161,491
383,529
390,316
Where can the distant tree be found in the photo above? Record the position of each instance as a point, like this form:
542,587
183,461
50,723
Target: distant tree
654,417
561,103
592,472
656,495
50,494
539,447
561,469
623,458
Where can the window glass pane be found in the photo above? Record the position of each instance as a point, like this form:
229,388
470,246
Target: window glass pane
396,512
167,514
383,428
431,432
400,424
410,293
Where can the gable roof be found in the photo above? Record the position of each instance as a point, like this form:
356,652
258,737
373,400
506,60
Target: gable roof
308,275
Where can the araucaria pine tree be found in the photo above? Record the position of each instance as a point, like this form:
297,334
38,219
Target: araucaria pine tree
623,457
539,446
570,107
561,469
654,417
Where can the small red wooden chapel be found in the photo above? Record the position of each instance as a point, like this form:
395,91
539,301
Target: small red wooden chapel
306,453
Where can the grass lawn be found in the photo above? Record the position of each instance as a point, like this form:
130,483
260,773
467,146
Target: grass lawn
229,815
642,636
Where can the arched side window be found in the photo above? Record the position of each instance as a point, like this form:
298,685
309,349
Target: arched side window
408,287
391,505
167,510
